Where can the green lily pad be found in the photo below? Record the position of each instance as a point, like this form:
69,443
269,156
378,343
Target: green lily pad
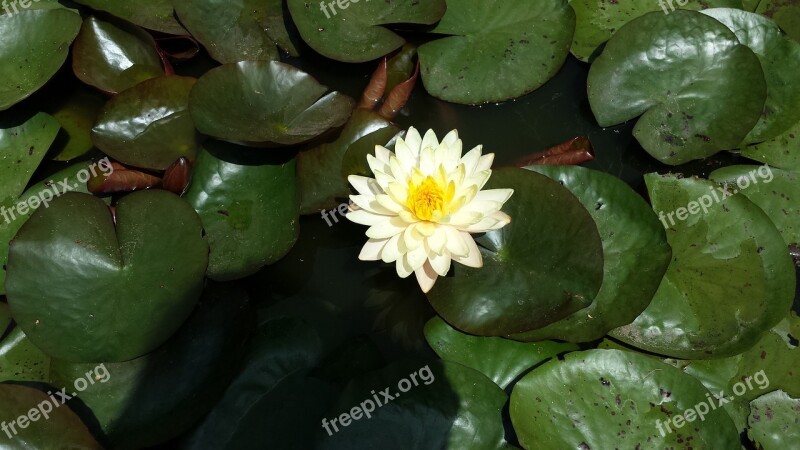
77,113
786,13
271,403
60,429
774,423
149,125
261,102
18,210
775,191
598,20
320,188
114,56
780,60
730,279
152,14
130,285
238,30
615,399
520,48
35,45
783,151
20,360
22,148
536,270
700,94
501,360
249,206
441,405
351,31
771,364
149,400
635,254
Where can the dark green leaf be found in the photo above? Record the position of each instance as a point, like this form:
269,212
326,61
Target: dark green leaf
773,422
114,56
260,102
615,399
249,206
498,49
698,95
128,287
351,31
149,125
153,14
538,269
730,279
20,360
635,254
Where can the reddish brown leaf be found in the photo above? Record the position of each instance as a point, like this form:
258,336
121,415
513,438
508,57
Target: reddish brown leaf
573,152
121,179
177,176
376,87
399,96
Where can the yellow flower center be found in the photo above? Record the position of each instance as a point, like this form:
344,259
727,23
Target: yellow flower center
426,199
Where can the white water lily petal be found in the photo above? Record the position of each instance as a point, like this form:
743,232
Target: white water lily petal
485,162
417,257
383,153
371,251
413,140
474,258
429,141
427,161
376,164
455,242
389,204
438,242
426,277
440,263
387,228
364,185
470,160
403,268
494,195
391,251
371,204
411,240
367,218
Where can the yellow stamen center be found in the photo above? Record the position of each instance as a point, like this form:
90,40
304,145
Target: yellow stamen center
426,199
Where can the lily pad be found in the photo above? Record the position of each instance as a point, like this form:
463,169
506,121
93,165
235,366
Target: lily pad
149,400
786,13
35,45
260,103
20,360
128,286
18,210
351,31
249,206
774,421
775,191
61,429
780,60
237,30
320,188
771,364
696,88
783,151
446,406
271,403
114,56
520,48
635,254
598,20
22,148
536,270
615,399
730,279
77,113
501,360
152,14
149,125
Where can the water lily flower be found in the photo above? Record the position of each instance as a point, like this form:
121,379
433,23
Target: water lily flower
424,203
